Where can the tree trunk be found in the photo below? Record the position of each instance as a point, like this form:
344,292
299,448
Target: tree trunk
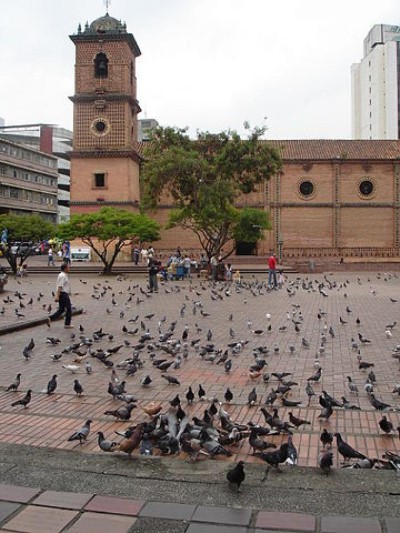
107,269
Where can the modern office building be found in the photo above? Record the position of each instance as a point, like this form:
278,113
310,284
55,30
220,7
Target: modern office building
376,86
51,140
28,181
145,126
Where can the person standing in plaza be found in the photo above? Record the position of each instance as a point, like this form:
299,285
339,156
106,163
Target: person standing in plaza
214,267
136,255
187,264
63,290
50,258
272,271
153,268
281,278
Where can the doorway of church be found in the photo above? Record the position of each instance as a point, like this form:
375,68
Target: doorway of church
246,248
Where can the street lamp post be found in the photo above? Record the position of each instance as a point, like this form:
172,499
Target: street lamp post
280,247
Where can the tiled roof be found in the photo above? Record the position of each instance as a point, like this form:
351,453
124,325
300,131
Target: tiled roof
328,149
337,149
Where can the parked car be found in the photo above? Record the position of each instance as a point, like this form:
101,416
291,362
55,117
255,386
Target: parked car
22,248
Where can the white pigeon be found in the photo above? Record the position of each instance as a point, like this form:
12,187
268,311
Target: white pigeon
72,368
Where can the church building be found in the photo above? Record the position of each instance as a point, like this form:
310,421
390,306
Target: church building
333,198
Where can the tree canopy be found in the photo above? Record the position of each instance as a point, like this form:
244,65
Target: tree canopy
23,228
204,178
108,231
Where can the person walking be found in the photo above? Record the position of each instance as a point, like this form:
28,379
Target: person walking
281,278
153,267
50,258
214,267
136,255
63,290
187,265
272,271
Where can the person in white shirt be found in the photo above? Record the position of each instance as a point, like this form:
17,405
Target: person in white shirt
214,267
63,290
50,258
187,263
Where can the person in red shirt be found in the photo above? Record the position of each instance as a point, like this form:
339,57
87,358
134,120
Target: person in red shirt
272,271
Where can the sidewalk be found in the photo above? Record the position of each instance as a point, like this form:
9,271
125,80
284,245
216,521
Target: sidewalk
52,491
32,510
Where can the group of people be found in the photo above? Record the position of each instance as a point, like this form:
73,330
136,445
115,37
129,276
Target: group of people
155,269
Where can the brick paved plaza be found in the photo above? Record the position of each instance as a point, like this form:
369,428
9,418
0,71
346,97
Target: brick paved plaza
50,420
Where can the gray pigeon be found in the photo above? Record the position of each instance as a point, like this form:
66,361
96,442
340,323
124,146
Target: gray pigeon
82,434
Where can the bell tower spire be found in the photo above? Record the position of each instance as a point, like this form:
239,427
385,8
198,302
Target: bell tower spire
105,159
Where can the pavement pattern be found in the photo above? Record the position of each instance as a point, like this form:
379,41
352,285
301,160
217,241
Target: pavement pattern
110,303
32,510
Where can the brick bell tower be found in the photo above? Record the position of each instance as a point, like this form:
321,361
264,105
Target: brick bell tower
104,157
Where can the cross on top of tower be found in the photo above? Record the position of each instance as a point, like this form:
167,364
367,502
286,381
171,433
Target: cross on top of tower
107,4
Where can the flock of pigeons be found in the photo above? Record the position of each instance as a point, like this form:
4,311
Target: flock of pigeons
166,346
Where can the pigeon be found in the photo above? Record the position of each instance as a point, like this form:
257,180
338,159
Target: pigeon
123,413
71,368
52,385
88,367
326,412
275,458
228,396
326,461
310,392
15,384
212,446
146,381
297,422
252,398
172,380
152,409
292,452
146,447
352,386
350,406
190,395
316,376
236,475
377,404
257,443
363,365
78,388
25,400
345,450
82,434
385,425
27,351
201,393
326,439
104,444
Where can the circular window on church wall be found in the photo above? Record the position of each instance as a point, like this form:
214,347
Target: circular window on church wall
306,189
366,188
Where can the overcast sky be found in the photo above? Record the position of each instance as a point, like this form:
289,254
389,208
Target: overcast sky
205,64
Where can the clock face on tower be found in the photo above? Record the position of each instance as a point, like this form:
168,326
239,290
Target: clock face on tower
100,127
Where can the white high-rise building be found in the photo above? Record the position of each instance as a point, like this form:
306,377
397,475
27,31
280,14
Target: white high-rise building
376,86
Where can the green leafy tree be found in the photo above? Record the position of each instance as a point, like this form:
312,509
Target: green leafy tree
251,224
108,231
23,228
204,178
